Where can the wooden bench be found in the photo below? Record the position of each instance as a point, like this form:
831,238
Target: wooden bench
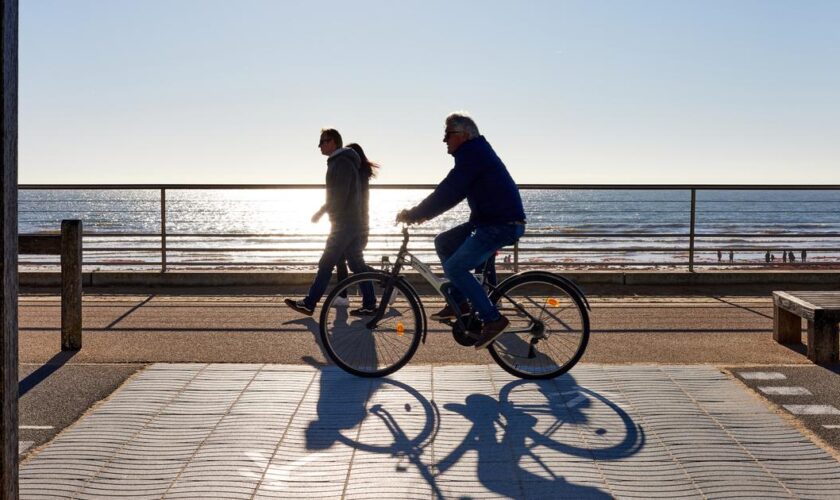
69,245
821,310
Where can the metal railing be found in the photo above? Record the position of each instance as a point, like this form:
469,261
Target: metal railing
177,226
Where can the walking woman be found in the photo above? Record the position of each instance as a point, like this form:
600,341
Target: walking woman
367,171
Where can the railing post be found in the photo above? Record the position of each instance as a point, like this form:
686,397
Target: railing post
163,230
516,257
71,285
691,231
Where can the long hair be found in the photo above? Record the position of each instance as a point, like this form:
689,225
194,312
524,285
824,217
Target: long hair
367,167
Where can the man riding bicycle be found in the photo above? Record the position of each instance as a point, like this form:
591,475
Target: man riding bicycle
497,219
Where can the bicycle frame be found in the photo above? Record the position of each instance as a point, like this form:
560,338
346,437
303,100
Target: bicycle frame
404,257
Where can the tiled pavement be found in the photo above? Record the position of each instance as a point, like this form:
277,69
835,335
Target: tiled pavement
286,431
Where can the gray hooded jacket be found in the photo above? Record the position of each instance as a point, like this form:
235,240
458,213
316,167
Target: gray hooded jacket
344,192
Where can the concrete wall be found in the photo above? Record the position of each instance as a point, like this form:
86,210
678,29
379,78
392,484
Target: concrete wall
630,278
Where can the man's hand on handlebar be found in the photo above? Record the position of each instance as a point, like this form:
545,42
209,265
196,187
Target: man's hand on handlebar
402,216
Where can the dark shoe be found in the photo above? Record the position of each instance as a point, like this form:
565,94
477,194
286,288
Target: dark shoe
491,331
449,313
299,306
363,311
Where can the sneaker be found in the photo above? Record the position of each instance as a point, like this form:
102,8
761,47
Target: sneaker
340,302
491,331
363,311
299,306
449,313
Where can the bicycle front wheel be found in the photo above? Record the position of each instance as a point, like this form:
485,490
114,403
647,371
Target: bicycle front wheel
368,350
549,326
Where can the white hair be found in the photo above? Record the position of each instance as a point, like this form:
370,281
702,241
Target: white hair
462,122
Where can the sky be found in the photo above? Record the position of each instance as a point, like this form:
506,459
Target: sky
567,92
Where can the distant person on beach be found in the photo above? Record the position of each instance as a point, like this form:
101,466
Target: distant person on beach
344,207
497,219
767,257
731,256
367,171
791,257
720,256
784,256
804,255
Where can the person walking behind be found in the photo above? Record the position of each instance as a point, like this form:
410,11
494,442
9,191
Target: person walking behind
497,219
344,208
367,171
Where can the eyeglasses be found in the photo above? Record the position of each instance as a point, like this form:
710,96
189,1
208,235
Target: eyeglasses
323,141
447,133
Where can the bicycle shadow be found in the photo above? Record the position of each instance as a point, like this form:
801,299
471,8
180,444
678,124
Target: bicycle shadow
517,445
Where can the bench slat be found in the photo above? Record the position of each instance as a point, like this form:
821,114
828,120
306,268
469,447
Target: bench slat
828,300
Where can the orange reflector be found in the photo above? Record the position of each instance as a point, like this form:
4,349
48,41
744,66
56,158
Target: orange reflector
400,329
553,302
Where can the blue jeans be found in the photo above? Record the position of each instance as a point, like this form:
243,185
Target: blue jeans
345,242
465,247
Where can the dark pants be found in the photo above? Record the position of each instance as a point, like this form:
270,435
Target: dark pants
347,242
341,267
466,247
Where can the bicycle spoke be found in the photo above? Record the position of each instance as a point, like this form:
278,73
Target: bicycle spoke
361,350
548,310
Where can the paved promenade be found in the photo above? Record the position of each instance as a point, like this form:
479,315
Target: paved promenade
194,396
291,431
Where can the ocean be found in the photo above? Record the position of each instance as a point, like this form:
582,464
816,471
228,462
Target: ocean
264,229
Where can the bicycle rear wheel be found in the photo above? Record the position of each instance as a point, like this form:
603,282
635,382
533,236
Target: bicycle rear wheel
377,351
549,326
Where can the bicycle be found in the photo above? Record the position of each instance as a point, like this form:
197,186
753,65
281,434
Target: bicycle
538,343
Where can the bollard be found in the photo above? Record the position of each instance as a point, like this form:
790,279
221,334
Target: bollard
71,285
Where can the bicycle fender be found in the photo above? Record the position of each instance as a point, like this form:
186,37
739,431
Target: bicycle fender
566,281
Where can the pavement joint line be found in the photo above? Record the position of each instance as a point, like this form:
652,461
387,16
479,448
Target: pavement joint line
829,426
35,427
592,452
285,432
728,432
497,395
353,453
145,425
662,443
215,426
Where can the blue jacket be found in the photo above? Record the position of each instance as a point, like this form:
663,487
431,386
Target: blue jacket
479,176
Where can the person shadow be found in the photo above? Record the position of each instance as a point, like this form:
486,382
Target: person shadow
346,331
